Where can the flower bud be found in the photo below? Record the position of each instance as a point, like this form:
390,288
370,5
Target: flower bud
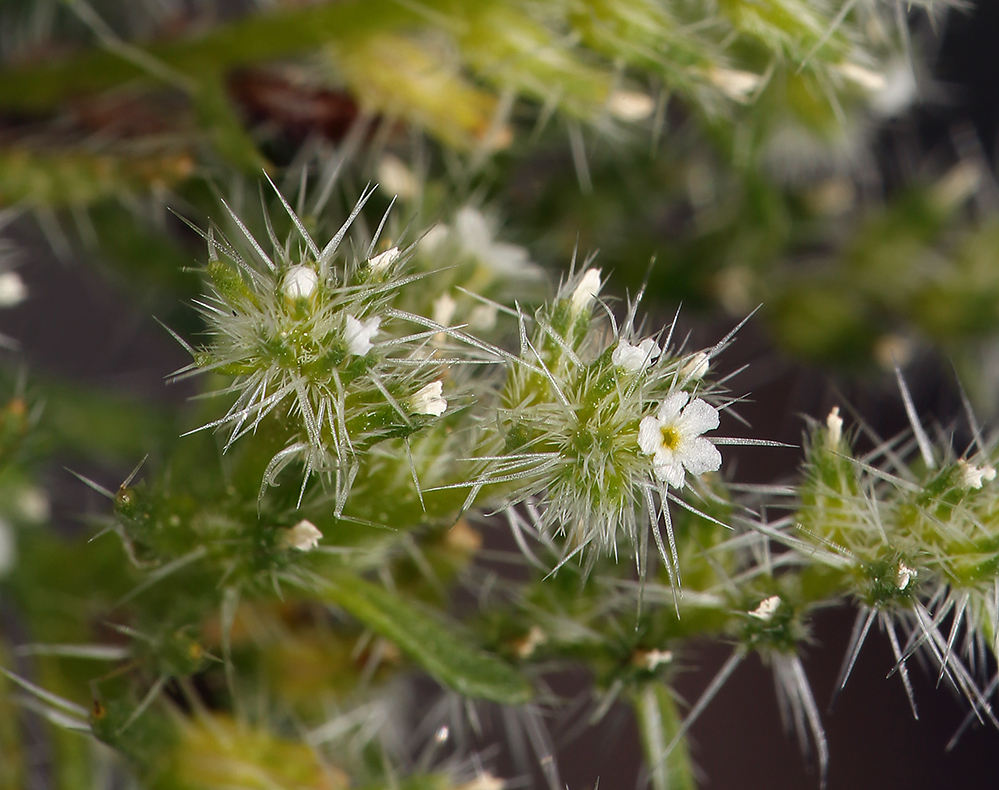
300,282
429,400
381,262
358,336
586,291
304,536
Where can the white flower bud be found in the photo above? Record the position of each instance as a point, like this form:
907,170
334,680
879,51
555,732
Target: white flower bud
483,317
535,637
358,336
631,105
444,307
904,576
299,282
586,291
834,425
34,505
651,660
304,536
737,85
13,291
765,611
484,781
635,358
971,476
695,367
434,238
395,177
381,262
429,400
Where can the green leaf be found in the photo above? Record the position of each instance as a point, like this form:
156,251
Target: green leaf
438,646
659,721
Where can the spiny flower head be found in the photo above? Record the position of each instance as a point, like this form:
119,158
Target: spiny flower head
915,540
312,336
595,425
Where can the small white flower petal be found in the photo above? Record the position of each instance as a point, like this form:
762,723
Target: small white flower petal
635,358
698,417
904,576
300,282
381,262
670,408
358,336
434,238
474,229
631,105
586,291
695,367
429,399
304,536
395,177
670,472
13,291
971,476
444,307
483,317
701,456
650,435
834,424
737,85
765,611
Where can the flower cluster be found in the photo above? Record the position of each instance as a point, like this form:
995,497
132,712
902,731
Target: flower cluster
597,426
312,338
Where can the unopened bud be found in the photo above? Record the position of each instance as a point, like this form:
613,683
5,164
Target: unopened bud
586,291
299,282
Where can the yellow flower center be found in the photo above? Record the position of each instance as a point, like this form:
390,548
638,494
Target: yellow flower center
670,437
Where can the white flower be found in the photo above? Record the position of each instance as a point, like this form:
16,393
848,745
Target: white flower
971,476
484,781
34,505
381,262
304,536
651,660
673,438
476,235
434,238
834,423
904,576
695,367
737,85
765,611
586,291
396,178
635,358
13,291
429,400
300,282
631,105
524,648
358,336
483,317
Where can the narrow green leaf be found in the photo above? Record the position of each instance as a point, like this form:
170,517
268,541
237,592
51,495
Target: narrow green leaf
436,645
658,722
